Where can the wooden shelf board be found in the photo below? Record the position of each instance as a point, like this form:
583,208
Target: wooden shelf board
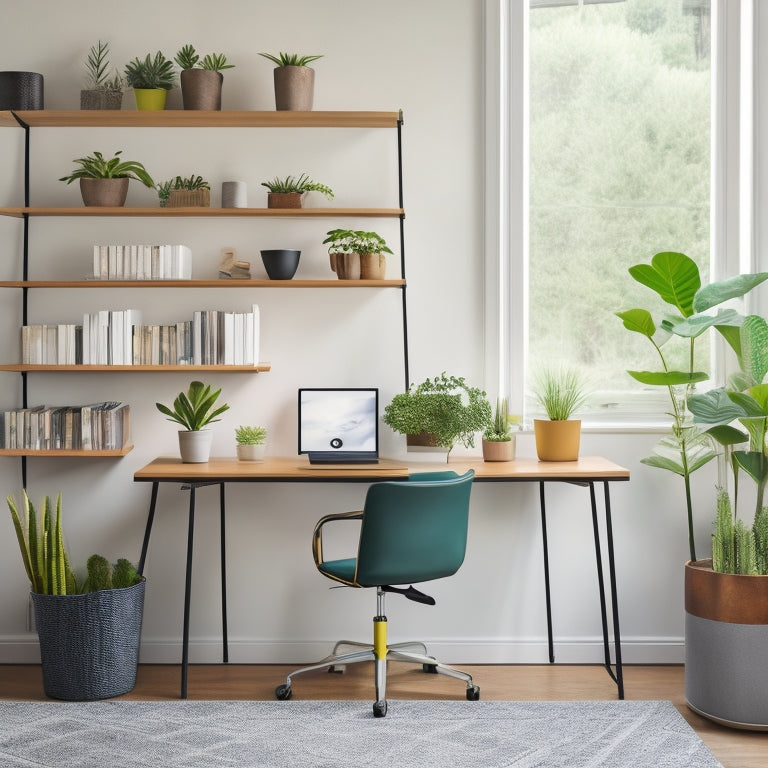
24,367
200,212
179,118
64,452
334,283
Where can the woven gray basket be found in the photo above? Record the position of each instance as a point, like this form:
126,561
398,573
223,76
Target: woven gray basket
89,644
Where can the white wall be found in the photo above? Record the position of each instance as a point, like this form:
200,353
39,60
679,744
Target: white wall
426,58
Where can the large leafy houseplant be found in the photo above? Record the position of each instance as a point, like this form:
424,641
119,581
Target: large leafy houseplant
676,279
96,166
446,407
194,409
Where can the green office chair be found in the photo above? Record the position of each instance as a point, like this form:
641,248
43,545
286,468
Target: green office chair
412,531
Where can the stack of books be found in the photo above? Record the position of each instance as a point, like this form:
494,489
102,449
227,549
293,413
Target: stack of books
142,262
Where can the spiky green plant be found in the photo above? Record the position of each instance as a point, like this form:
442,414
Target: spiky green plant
150,72
250,435
300,185
215,62
96,166
187,58
97,67
290,59
500,430
560,391
194,409
190,182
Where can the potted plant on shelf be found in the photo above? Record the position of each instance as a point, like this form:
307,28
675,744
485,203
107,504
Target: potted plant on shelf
289,192
201,79
729,687
251,443
194,410
560,391
105,182
439,412
192,191
356,254
151,78
294,80
89,632
101,91
498,440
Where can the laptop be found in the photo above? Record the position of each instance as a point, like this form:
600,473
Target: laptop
339,426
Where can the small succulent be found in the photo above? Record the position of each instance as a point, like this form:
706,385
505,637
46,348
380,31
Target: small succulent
301,184
290,59
250,435
151,72
187,58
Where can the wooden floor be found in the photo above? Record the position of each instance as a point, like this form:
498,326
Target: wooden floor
733,748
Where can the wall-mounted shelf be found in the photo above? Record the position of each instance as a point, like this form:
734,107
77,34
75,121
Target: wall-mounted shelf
65,452
100,284
28,368
202,213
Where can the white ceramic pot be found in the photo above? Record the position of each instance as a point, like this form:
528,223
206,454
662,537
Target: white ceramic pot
195,446
251,452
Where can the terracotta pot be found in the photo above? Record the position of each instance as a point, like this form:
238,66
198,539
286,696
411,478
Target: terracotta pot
557,440
104,192
201,88
497,450
294,88
726,636
284,199
373,266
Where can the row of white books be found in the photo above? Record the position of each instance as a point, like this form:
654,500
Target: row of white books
98,426
142,262
118,337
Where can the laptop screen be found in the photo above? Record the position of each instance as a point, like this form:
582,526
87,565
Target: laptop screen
342,421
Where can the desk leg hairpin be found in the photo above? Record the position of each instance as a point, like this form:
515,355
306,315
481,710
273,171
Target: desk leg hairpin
547,593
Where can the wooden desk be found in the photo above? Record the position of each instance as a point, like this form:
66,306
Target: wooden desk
586,472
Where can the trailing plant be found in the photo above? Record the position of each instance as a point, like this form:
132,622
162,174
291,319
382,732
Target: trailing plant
190,182
250,435
560,391
187,58
675,278
194,409
500,431
299,185
446,407
97,68
341,241
150,72
96,166
290,59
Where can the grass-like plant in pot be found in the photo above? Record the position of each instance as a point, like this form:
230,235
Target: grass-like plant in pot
355,253
194,410
201,78
151,78
294,80
251,442
78,619
498,440
439,412
561,391
289,191
104,182
101,91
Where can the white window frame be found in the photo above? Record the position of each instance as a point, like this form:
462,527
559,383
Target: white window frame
736,24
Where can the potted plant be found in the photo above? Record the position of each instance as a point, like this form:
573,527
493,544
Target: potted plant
101,91
498,440
357,254
725,629
289,192
192,191
560,391
151,78
439,412
105,182
89,632
194,410
251,443
294,80
201,79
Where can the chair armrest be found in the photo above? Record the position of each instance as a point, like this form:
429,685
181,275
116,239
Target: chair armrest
317,535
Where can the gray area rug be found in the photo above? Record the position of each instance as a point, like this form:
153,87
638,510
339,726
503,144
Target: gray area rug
344,734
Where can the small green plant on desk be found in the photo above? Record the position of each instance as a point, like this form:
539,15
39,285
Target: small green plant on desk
500,431
194,409
561,391
245,435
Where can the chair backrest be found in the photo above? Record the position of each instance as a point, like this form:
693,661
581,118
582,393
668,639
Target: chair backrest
414,530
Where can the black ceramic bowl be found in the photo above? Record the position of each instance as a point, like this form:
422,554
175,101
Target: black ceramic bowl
281,263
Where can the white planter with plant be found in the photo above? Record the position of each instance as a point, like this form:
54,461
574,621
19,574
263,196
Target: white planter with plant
356,254
294,81
251,443
194,410
561,391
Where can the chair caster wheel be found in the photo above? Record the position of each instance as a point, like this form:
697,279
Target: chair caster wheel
380,708
473,693
283,692
430,669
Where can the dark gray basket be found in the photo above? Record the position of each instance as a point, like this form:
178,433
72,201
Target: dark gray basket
21,90
89,644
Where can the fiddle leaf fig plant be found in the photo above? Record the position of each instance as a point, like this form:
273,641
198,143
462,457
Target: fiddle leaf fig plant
194,409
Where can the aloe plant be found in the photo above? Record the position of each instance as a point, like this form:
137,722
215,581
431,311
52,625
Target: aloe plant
187,58
194,409
290,59
96,166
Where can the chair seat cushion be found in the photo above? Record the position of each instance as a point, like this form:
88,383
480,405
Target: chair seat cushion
340,569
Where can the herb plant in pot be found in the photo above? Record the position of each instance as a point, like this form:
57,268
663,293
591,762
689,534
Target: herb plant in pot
439,412
101,91
356,254
201,79
561,392
89,632
294,80
194,410
498,440
151,78
289,192
105,182
251,443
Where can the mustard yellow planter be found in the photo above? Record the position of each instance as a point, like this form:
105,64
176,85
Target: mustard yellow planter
150,98
557,440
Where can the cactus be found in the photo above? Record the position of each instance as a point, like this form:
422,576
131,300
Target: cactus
124,574
99,574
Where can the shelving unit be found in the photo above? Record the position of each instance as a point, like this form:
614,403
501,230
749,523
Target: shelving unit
177,119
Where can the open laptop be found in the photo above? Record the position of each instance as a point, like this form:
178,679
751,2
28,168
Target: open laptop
339,426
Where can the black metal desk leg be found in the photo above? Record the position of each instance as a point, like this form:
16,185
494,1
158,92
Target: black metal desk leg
600,579
550,637
187,591
222,516
148,528
614,597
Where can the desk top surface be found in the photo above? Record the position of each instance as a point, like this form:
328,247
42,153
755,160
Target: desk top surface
298,469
